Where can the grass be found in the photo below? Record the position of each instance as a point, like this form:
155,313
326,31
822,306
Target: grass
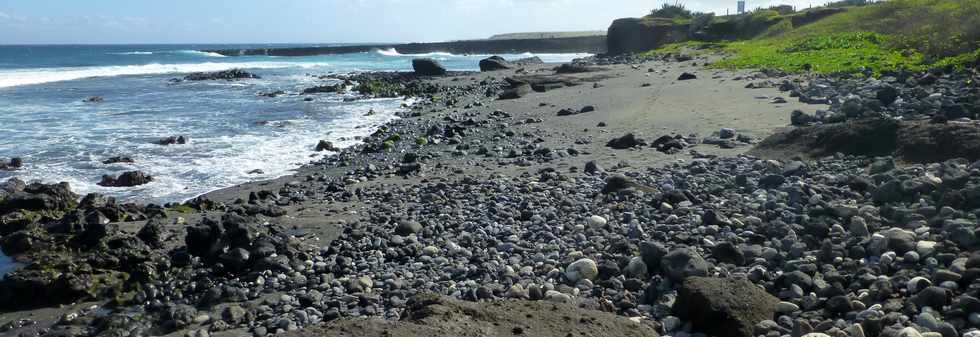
890,35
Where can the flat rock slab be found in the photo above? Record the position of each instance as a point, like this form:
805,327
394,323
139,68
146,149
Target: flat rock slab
723,307
439,316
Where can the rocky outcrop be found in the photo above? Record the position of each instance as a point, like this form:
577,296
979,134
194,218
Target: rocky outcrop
723,307
228,75
632,35
493,63
428,67
13,164
127,179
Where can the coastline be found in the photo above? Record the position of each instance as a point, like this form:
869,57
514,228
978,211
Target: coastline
624,186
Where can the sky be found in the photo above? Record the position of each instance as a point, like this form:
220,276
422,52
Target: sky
314,21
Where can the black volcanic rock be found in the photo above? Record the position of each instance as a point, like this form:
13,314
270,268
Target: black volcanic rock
228,75
493,63
428,67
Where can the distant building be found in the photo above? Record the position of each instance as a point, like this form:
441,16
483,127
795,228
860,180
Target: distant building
741,7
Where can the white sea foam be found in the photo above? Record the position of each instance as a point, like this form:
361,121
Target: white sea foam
18,77
198,53
133,53
393,52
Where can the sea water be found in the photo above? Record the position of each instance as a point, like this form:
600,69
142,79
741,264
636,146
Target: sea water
234,132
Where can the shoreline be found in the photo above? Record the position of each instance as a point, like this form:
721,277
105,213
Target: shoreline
620,188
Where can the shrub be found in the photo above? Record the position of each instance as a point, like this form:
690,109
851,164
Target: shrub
670,11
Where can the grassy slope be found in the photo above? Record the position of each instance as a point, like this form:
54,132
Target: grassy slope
910,34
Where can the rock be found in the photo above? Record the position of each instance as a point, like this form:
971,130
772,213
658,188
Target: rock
616,183
899,240
682,263
94,99
174,140
324,145
152,233
596,221
428,67
234,314
627,141
786,308
494,63
687,76
800,118
726,133
838,305
573,68
583,269
887,95
118,159
323,89
407,227
933,297
127,179
723,307
726,252
592,167
636,268
229,75
652,253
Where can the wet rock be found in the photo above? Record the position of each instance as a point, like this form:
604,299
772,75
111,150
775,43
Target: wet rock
228,75
127,179
324,145
494,63
174,140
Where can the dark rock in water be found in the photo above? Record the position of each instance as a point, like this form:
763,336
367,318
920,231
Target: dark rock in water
174,140
627,141
428,67
117,160
324,145
493,63
94,99
127,179
682,263
686,76
322,89
14,164
723,307
228,75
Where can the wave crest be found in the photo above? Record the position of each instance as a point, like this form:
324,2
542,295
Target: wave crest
19,77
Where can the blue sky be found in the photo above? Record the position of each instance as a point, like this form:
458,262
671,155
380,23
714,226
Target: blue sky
298,21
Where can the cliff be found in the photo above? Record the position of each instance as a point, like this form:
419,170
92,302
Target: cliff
580,44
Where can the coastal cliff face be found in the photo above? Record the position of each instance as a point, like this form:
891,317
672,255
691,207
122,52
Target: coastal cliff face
633,35
636,35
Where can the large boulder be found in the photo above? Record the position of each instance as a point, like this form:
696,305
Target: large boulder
682,263
428,67
493,63
632,35
228,75
40,197
723,307
127,179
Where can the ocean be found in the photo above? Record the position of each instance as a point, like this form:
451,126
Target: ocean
233,130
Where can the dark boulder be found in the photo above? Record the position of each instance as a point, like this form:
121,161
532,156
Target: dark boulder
323,89
228,75
174,140
118,160
627,141
152,233
324,145
494,63
127,179
723,307
616,183
41,197
428,67
94,99
687,76
517,89
574,68
682,263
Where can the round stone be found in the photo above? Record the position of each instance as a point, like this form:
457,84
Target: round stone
596,221
583,269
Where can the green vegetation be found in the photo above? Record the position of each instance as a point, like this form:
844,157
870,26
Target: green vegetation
672,11
421,141
896,34
183,208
